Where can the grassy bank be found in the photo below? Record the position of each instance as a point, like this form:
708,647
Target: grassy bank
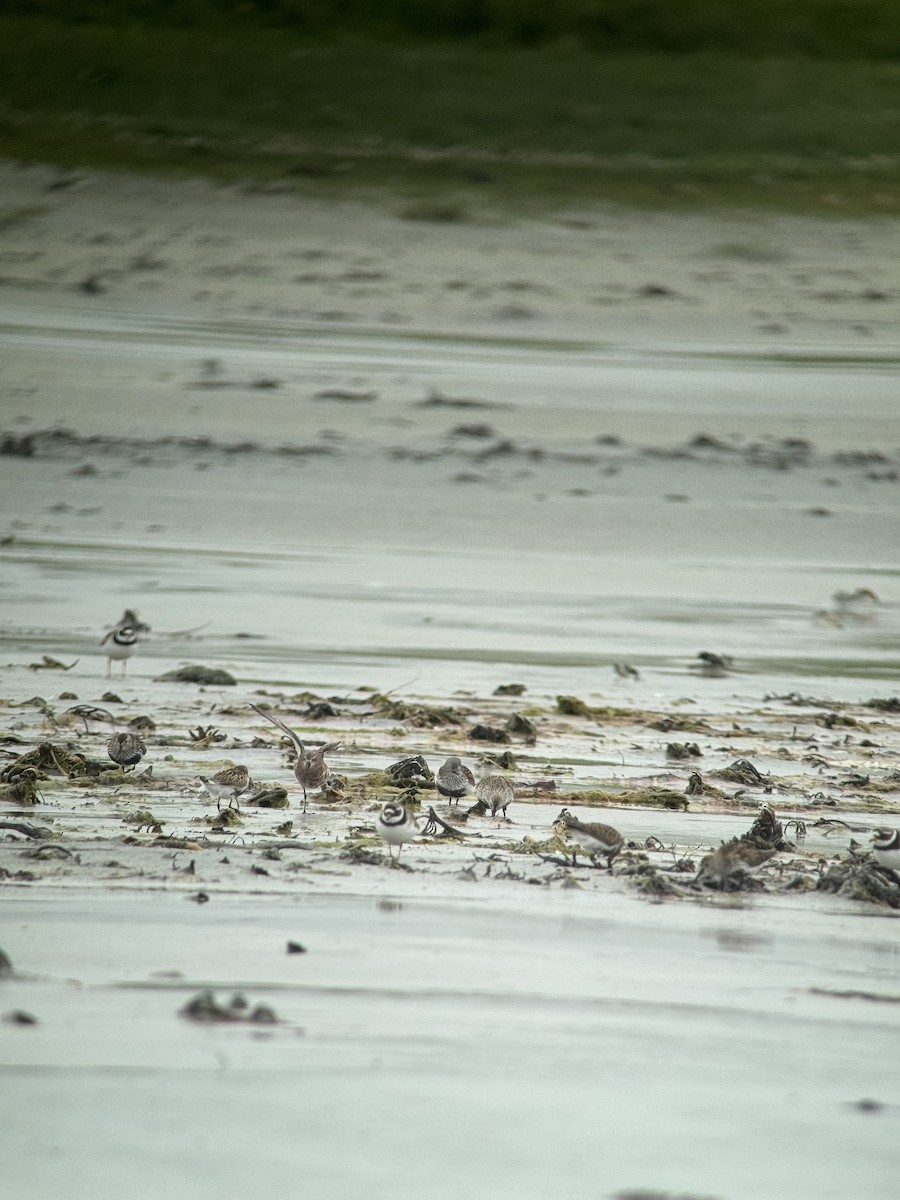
452,126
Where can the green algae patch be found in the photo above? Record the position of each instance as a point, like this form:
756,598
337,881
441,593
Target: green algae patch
572,706
636,797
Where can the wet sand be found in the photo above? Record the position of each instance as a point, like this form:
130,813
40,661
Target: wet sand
339,453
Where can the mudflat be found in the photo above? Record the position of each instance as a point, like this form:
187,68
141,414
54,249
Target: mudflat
421,488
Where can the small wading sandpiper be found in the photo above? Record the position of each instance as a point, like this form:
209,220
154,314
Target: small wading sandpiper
593,837
453,780
495,791
126,749
227,784
730,860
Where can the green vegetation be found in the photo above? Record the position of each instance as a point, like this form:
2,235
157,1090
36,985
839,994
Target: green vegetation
456,127
837,28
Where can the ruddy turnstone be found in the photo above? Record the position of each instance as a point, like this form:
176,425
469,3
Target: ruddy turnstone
731,859
119,644
886,848
453,780
310,768
593,837
227,784
126,749
496,791
396,825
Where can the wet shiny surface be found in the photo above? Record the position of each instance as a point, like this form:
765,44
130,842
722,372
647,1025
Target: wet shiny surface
439,1038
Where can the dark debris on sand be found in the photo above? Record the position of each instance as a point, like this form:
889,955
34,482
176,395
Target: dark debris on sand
212,676
206,1009
861,878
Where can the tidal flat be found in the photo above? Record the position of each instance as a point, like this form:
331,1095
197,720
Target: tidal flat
433,520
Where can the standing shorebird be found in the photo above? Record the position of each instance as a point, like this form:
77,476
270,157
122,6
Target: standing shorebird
126,749
227,784
119,644
886,848
496,791
310,768
453,780
396,825
593,837
731,859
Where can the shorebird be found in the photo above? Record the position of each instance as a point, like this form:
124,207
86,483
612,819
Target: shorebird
310,768
625,670
126,749
120,643
729,860
396,825
496,791
858,606
593,837
886,848
227,784
713,666
453,780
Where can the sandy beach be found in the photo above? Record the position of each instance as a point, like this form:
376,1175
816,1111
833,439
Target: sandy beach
377,469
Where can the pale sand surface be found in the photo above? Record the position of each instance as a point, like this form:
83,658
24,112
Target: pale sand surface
474,1024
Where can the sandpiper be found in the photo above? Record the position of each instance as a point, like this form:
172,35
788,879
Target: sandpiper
495,791
453,780
310,768
396,825
731,859
227,784
593,837
126,749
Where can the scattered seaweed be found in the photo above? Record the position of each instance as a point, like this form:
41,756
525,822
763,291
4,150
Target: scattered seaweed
683,750
51,664
489,733
743,771
410,772
194,673
858,878
46,757
650,797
